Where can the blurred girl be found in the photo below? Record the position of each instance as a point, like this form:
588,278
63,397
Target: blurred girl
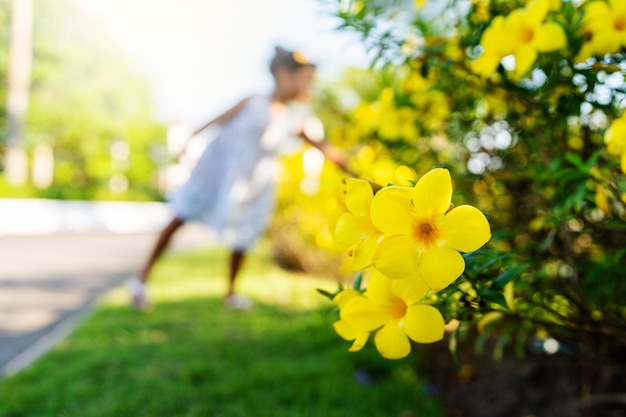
231,189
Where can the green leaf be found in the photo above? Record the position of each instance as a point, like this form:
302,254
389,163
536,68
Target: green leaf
593,159
358,280
494,297
479,343
508,275
325,293
498,348
576,161
329,294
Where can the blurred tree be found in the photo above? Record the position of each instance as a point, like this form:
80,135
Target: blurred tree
89,110
4,42
18,86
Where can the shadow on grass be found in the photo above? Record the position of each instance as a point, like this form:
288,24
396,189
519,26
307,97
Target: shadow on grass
197,358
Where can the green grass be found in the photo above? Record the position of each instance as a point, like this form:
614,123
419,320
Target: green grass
190,356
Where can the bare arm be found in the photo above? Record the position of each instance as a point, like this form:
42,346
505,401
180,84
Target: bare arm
222,118
335,155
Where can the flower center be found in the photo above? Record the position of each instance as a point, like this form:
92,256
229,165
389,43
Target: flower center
398,308
527,35
620,23
426,233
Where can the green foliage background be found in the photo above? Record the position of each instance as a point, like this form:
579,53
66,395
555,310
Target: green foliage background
529,153
84,98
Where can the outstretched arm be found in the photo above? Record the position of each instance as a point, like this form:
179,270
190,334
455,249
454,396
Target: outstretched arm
222,118
333,154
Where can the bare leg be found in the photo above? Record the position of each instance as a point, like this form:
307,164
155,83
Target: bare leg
237,257
160,246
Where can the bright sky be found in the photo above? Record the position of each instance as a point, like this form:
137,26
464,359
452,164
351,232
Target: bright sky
201,56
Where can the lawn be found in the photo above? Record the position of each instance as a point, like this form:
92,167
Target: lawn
191,356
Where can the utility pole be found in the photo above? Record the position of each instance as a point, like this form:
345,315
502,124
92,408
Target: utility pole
20,60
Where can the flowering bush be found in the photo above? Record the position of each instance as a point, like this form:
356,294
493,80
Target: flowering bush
522,102
411,237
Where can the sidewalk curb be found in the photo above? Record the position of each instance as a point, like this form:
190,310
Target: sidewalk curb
36,216
58,332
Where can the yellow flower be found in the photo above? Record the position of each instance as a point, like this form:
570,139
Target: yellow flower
433,109
354,229
395,123
602,200
522,33
481,10
615,137
393,309
365,118
421,236
343,328
496,46
530,35
604,28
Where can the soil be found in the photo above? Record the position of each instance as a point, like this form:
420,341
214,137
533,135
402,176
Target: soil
536,384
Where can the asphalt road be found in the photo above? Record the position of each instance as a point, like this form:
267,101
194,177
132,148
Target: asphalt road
48,283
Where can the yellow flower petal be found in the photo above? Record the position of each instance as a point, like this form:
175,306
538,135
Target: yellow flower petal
525,57
359,342
411,289
549,37
602,201
496,42
537,10
346,295
623,163
496,38
432,193
615,137
465,228
424,323
364,252
596,14
396,257
586,51
440,266
379,288
348,231
520,28
345,330
596,10
391,341
391,210
605,42
364,314
359,196
486,64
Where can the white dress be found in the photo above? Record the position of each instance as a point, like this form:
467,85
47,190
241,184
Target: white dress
231,188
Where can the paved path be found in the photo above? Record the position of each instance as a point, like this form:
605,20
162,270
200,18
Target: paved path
48,282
